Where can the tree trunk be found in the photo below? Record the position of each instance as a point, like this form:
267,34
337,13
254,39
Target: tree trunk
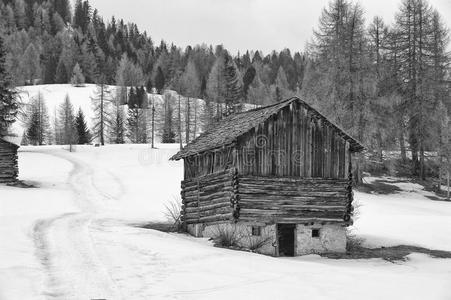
447,182
153,125
414,150
102,141
187,117
379,146
440,170
180,124
422,171
402,145
195,119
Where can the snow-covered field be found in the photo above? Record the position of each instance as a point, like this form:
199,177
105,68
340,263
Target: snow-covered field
72,238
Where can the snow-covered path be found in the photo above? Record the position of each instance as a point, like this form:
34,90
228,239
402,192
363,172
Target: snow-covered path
64,244
73,238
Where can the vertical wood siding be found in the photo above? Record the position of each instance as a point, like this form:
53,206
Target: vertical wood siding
293,143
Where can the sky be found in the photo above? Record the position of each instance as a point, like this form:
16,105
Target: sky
239,25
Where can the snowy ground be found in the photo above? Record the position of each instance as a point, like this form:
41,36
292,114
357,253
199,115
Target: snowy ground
71,238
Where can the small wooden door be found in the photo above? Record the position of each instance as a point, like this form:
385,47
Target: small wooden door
286,239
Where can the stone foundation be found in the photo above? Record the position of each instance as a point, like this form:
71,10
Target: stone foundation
332,238
195,229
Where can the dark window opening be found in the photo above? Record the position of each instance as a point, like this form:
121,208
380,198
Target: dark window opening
315,233
256,230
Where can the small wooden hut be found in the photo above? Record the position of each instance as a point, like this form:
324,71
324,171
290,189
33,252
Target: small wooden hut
9,169
278,175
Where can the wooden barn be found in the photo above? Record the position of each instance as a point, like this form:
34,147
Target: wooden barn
9,169
280,176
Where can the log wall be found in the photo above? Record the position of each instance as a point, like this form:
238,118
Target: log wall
293,200
210,198
9,169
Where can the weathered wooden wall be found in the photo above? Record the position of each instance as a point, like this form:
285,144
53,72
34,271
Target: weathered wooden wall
292,200
209,199
294,142
208,162
8,162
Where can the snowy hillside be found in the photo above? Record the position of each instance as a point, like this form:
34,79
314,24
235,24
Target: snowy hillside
75,237
80,97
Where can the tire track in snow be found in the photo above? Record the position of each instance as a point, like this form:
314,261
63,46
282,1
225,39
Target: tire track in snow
41,244
64,244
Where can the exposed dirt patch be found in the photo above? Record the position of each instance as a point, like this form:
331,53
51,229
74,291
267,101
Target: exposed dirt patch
435,198
379,186
391,254
432,186
22,184
160,226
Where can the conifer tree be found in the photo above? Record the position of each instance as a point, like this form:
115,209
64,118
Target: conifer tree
281,86
50,59
159,80
77,79
190,88
216,87
62,8
137,125
258,93
66,124
127,74
248,78
8,101
67,57
59,24
10,19
101,106
342,88
19,13
117,127
82,15
38,125
234,87
24,141
83,133
61,73
132,97
168,133
88,61
31,64
416,29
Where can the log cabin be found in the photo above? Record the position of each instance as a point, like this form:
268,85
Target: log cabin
9,168
279,176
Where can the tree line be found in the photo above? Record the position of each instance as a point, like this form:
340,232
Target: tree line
386,84
48,43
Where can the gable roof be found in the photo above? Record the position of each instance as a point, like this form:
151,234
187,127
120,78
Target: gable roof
227,130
